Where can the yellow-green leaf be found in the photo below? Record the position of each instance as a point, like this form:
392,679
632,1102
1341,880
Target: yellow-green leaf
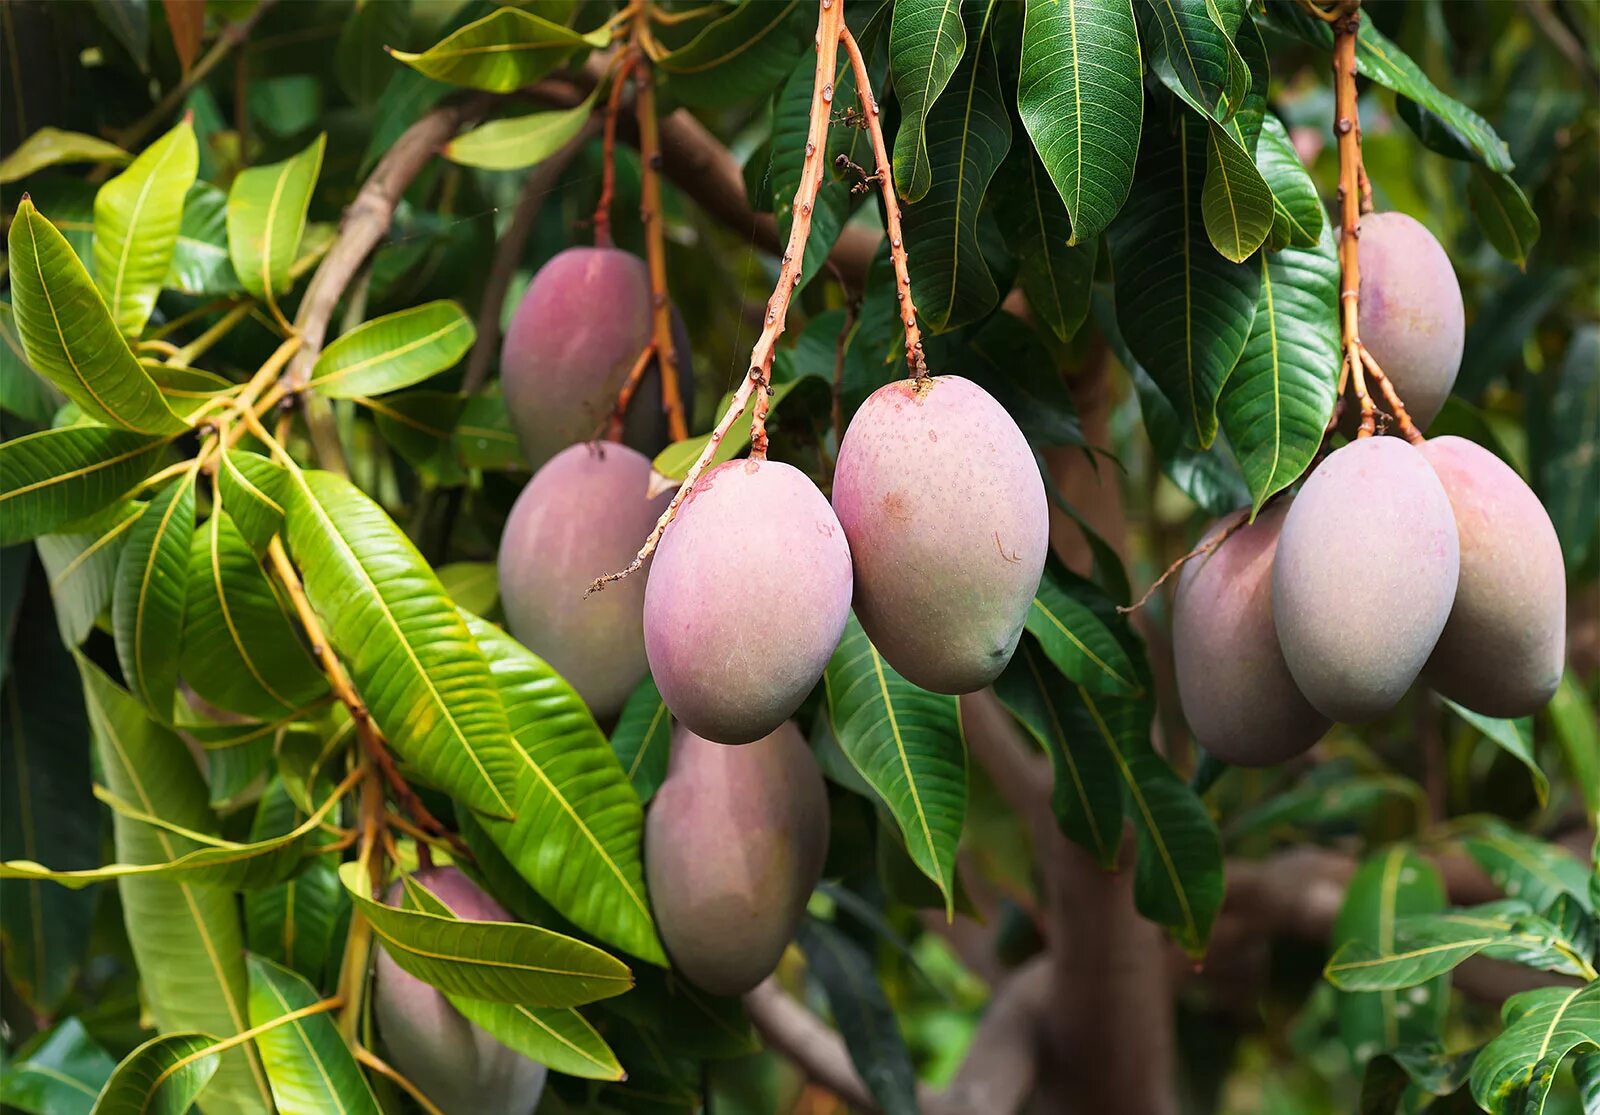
136,219
49,147
501,52
394,351
267,216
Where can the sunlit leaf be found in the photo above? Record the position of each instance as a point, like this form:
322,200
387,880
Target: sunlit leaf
267,216
62,1074
150,590
394,351
1075,638
516,142
136,219
1514,1072
164,1076
49,147
308,1061
501,52
54,478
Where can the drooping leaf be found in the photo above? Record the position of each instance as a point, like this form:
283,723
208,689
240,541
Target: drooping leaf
267,216
503,962
187,22
907,744
740,55
308,1061
1426,946
150,590
164,1076
1075,638
53,478
1577,730
185,936
927,39
579,824
201,266
1514,737
394,351
1081,96
1527,868
1194,55
69,335
1514,1072
253,489
1504,214
411,656
500,52
642,739
293,923
363,68
61,1074
1184,310
82,568
516,142
1055,270
1297,216
1235,201
1276,403
1009,359
136,219
50,147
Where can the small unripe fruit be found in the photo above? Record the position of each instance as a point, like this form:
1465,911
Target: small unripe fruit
1236,691
456,1063
583,514
580,326
748,595
1364,576
941,499
734,844
1504,645
1411,320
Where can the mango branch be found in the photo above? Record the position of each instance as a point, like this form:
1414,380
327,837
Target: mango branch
830,25
655,239
608,149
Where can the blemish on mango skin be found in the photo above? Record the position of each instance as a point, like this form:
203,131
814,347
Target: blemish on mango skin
896,506
932,436
1013,557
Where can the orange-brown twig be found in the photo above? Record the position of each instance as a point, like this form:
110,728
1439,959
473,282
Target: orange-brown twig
1198,551
612,426
655,239
608,149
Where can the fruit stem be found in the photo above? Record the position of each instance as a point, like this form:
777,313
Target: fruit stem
655,238
608,149
830,29
612,426
1198,551
916,362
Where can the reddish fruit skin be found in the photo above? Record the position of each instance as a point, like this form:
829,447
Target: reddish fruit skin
1411,320
1504,645
941,499
748,595
456,1063
575,335
1365,572
1236,691
583,514
734,844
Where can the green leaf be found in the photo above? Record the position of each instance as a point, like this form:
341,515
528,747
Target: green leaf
1235,201
1394,883
254,491
517,142
164,1076
687,1021
1329,795
23,391
1514,1072
82,567
907,744
1527,868
579,824
185,936
1008,358
49,147
394,351
1507,220
1428,945
500,52
1056,276
1194,56
963,141
926,42
1578,732
308,1061
1276,403
151,586
1185,311
1566,468
1086,793
54,478
675,460
412,659
1297,216
642,739
361,66
1075,638
136,219
1425,1069
473,586
863,1015
201,266
293,923
503,962
70,336
267,216
740,55
59,1075
1081,96
240,652
1514,737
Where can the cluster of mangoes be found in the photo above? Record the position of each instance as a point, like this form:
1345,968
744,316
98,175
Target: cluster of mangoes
1392,562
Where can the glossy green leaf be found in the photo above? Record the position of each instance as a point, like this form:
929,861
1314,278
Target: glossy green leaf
474,586
69,335
907,744
1504,214
1055,275
926,42
1514,737
1235,201
740,55
1075,638
1007,357
267,217
185,936
500,52
1086,793
253,489
186,389
1184,310
240,652
1388,885
59,1075
966,136
675,460
164,1076
504,962
1277,402
1566,470
394,351
517,142
150,590
1514,1072
82,567
577,835
1428,945
1528,868
136,219
50,147
687,1021
1081,96
201,266
308,1061
412,659
1297,216
421,427
54,478
293,923
1577,730
1326,796
642,739
1195,57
